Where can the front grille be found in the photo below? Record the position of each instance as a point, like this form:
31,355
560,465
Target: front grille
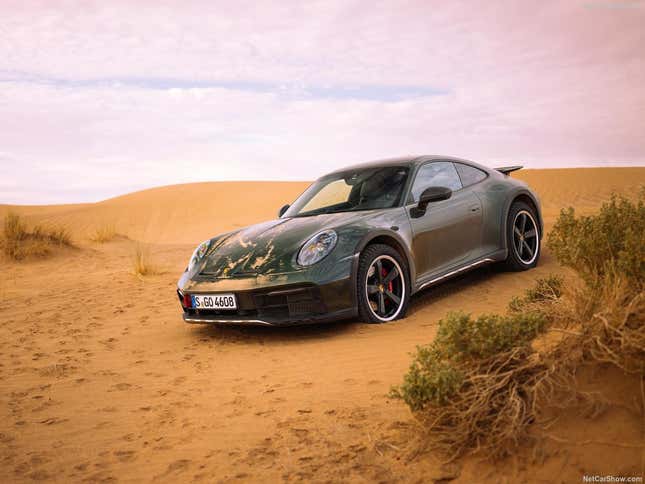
294,302
289,302
266,301
283,303
305,307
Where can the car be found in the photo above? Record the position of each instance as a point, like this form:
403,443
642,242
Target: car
360,241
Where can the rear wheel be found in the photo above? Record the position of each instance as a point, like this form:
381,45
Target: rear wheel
383,284
522,237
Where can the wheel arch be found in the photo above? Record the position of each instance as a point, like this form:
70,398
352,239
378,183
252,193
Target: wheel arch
387,238
531,200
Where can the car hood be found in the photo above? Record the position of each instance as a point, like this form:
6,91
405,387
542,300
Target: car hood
270,247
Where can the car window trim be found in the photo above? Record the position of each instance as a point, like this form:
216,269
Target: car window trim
416,172
476,168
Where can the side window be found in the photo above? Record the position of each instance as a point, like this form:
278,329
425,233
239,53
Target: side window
469,174
435,174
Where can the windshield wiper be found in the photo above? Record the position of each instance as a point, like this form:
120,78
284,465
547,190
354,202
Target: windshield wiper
312,213
325,212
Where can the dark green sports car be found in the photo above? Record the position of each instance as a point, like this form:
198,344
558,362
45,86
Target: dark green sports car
360,241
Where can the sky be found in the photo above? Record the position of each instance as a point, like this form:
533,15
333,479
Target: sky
102,98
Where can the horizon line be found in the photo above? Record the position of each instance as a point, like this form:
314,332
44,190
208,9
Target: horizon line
153,187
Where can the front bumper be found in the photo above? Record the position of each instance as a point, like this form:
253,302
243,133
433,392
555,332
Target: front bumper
282,305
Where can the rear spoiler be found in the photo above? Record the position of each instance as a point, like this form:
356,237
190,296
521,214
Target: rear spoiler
508,169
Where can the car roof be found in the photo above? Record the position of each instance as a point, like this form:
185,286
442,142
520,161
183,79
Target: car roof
410,161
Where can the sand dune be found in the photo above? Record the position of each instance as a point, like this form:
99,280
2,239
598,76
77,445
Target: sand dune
186,213
101,380
192,212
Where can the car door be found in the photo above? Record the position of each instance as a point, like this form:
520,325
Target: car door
450,230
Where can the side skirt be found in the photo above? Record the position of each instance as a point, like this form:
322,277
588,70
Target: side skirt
497,256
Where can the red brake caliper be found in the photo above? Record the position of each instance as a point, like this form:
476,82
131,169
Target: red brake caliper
389,284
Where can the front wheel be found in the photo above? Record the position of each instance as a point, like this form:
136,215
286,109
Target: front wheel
383,284
522,237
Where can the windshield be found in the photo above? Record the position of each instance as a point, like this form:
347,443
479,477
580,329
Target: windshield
363,189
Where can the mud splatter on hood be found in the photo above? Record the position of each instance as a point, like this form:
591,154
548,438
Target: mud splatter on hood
270,247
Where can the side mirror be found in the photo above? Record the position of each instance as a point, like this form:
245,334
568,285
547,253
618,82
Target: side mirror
429,195
283,209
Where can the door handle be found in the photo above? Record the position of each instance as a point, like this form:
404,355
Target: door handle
474,208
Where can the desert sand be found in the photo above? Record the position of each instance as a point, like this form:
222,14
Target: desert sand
101,380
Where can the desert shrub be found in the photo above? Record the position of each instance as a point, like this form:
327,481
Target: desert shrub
142,264
539,298
104,234
437,370
19,241
608,319
14,233
607,250
611,242
54,235
491,410
14,228
459,337
430,380
475,385
482,382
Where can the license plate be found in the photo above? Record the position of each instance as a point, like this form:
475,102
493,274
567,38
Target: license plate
214,301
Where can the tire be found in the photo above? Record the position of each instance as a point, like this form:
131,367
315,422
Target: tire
522,237
377,296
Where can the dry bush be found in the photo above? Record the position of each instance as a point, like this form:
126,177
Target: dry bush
19,242
475,387
142,264
499,398
480,384
103,234
547,291
607,310
606,318
54,235
14,234
611,242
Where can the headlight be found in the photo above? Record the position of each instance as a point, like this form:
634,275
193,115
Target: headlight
199,253
317,247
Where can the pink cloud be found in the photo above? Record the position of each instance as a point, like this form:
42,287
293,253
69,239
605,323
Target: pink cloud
549,84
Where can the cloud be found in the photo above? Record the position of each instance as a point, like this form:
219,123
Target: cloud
100,98
283,89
